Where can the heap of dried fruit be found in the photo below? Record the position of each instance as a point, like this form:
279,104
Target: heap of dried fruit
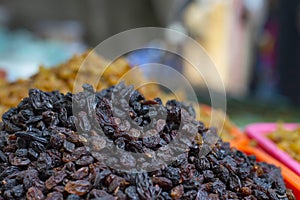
287,140
56,146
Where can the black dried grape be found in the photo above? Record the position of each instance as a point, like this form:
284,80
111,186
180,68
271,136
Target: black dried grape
47,151
164,183
173,174
132,193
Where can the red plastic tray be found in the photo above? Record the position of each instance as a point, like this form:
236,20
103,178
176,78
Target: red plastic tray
259,131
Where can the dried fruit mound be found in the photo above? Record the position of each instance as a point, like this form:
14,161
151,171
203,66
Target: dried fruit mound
50,151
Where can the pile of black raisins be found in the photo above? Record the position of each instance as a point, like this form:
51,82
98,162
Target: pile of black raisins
56,146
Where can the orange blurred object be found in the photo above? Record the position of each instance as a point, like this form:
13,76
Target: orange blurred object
240,139
2,74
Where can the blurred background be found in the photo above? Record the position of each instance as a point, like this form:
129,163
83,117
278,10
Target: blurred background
255,44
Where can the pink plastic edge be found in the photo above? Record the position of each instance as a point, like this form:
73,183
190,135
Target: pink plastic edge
259,130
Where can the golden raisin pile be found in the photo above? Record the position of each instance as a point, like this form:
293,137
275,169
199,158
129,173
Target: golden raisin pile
287,140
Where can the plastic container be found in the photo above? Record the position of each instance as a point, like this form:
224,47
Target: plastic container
291,179
259,131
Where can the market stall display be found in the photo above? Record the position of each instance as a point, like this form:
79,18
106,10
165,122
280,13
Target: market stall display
43,156
62,78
